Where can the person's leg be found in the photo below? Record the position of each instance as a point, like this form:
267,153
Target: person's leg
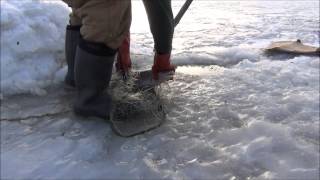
71,42
105,24
161,23
74,19
93,70
105,21
124,10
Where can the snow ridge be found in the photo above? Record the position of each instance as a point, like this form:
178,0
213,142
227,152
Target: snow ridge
31,45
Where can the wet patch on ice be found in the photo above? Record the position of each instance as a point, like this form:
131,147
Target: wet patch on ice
26,106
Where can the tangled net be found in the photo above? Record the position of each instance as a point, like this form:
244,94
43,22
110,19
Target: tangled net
131,102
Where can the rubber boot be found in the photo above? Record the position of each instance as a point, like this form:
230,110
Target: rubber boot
123,64
161,65
71,42
93,70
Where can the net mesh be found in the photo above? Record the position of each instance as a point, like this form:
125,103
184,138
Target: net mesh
131,102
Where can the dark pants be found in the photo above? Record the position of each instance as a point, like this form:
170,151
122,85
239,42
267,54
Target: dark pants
161,22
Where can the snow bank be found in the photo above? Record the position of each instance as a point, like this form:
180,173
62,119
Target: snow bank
225,57
32,43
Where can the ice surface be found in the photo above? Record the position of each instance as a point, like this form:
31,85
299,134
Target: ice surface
234,113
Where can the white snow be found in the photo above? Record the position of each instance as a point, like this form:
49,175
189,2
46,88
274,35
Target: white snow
32,44
235,113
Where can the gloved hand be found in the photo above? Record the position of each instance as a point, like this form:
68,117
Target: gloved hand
123,64
162,69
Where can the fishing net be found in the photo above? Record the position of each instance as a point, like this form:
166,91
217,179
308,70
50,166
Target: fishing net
131,102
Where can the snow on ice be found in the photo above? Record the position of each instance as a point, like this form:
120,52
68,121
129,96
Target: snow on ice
235,113
31,45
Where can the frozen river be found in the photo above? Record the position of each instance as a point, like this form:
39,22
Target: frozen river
234,112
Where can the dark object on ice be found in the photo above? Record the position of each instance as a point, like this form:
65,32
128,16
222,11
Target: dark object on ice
93,70
292,47
145,81
137,113
71,43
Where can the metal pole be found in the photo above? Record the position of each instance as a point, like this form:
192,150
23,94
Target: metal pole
183,10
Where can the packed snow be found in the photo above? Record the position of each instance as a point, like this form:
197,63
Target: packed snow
32,44
233,111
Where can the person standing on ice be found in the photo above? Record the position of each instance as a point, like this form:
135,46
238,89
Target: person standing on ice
98,30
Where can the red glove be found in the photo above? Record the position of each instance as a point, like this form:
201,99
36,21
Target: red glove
162,64
123,60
